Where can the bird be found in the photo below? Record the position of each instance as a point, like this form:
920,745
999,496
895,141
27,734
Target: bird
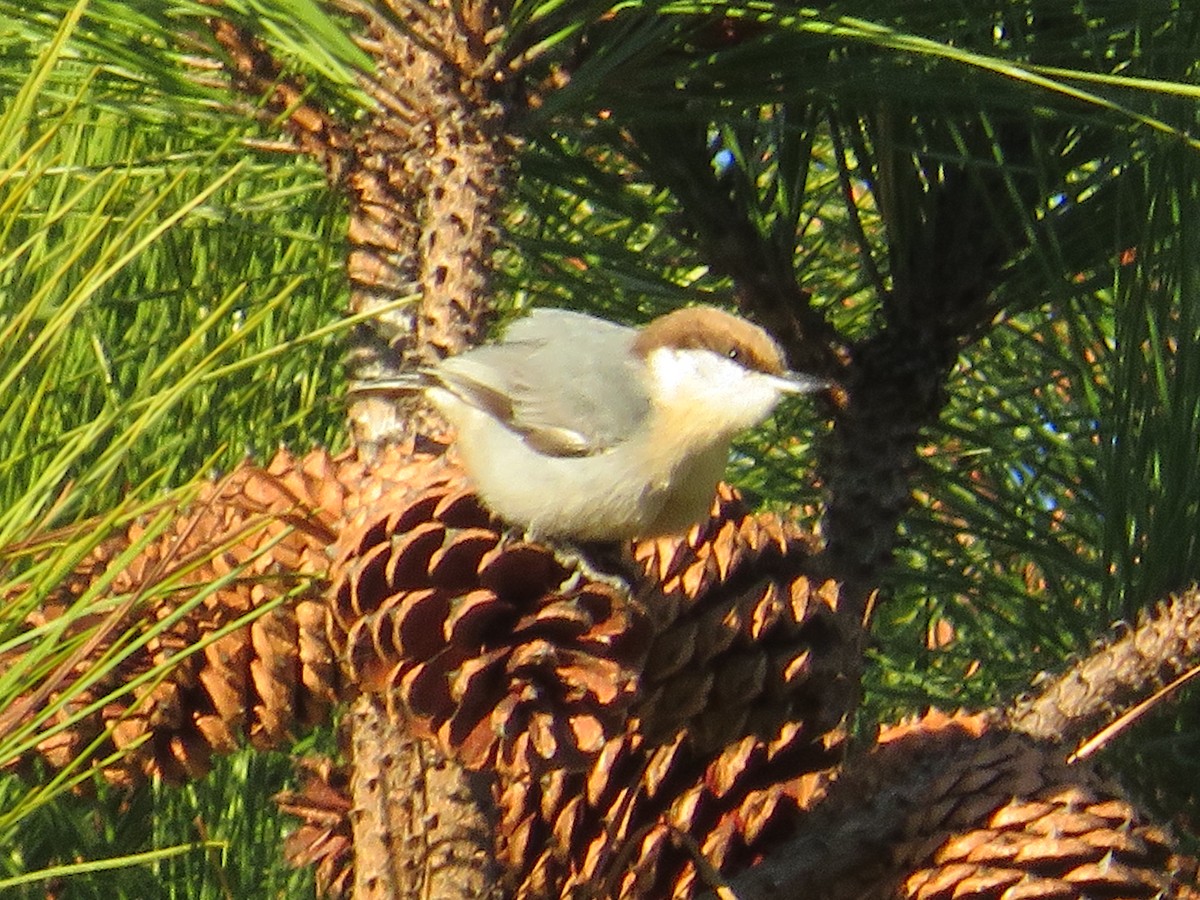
577,428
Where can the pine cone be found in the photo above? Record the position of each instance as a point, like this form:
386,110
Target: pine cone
648,820
481,641
1010,819
251,539
737,722
745,641
599,711
324,838
985,813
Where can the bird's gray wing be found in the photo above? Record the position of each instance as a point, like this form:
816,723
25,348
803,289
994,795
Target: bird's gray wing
563,380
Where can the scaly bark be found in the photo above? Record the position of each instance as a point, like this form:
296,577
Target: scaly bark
430,172
425,177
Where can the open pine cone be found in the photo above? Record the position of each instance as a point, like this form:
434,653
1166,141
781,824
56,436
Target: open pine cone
256,537
478,639
945,807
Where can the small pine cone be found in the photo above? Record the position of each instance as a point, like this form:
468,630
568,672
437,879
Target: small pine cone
324,838
651,820
474,636
1013,820
996,815
745,642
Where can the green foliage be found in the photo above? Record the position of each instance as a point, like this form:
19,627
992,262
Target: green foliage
215,839
169,301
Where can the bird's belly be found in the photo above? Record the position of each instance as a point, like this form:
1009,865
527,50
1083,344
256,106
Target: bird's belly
694,485
612,495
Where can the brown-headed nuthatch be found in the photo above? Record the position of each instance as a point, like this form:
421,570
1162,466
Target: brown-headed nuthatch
576,428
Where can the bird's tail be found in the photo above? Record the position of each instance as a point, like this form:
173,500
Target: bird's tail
404,383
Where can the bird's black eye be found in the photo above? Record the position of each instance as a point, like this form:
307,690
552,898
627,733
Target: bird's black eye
735,354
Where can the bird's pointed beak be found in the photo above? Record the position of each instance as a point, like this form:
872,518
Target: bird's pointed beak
799,383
